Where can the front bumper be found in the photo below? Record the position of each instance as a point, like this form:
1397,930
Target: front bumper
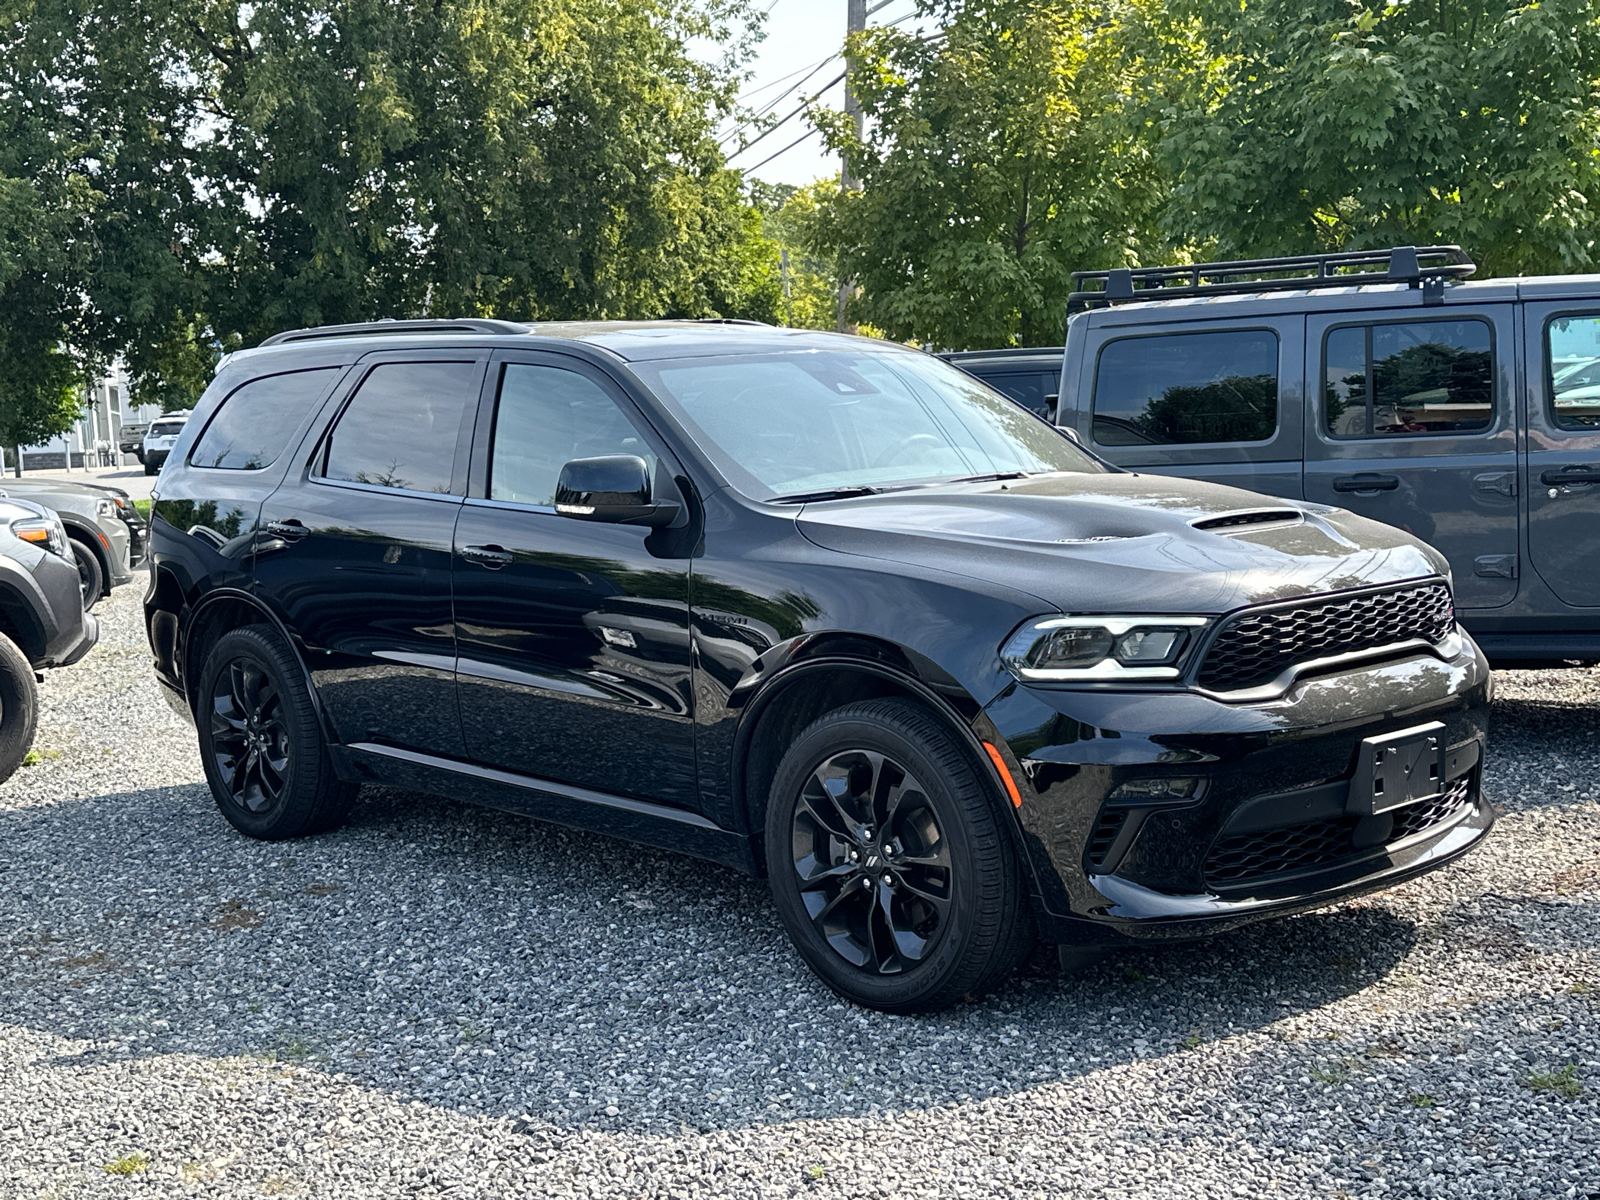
1266,833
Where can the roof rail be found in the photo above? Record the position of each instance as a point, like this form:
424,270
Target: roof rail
390,325
1426,267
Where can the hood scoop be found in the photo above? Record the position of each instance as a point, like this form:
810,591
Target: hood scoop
1249,520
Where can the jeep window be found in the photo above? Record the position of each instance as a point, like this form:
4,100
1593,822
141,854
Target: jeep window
1417,377
166,429
1572,363
400,428
253,424
1187,388
788,424
545,418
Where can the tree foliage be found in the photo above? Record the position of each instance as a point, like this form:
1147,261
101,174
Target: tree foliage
238,167
1320,124
998,157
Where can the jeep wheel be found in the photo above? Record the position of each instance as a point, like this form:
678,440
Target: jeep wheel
91,579
19,707
260,741
888,865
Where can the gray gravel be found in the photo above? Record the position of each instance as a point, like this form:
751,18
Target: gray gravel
441,1000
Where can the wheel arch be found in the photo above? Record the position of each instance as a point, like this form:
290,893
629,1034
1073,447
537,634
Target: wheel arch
841,671
231,608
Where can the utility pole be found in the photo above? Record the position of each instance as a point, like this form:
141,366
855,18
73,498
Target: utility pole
855,22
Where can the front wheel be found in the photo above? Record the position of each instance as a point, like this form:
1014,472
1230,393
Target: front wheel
888,865
260,741
91,579
19,707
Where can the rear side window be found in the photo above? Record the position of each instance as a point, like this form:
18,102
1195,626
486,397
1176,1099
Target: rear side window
546,417
401,427
1572,363
1028,390
1187,388
166,428
253,424
1417,377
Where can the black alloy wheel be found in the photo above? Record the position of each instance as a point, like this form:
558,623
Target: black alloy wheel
890,866
249,736
873,868
261,742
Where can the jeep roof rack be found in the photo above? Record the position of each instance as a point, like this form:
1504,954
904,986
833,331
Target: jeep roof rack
1426,267
390,325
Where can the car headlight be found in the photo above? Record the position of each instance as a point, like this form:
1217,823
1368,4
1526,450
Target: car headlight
42,531
105,508
1100,649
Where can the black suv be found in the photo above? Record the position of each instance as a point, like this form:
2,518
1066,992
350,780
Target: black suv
814,606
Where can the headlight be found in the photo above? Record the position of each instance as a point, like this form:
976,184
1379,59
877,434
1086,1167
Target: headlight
42,531
1063,649
105,508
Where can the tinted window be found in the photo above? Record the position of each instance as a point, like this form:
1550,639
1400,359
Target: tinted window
1572,357
1178,389
166,428
801,422
1419,377
253,424
547,417
1028,390
400,428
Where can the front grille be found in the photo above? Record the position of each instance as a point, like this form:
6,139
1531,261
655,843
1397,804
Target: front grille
1417,817
1252,857
1254,646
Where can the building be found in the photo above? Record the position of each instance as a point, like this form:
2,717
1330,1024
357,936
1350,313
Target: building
107,411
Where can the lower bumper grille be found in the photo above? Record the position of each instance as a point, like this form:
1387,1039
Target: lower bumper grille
1257,857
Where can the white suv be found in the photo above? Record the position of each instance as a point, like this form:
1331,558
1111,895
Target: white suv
159,440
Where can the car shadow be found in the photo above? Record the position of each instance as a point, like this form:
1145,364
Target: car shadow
490,963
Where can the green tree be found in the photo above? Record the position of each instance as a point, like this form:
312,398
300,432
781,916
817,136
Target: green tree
1320,124
999,157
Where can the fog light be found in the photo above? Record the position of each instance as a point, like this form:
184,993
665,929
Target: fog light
1137,791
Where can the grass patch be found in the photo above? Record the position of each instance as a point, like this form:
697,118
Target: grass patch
1563,1083
128,1164
1190,1042
1422,1100
816,1172
1134,975
36,756
143,507
1334,1074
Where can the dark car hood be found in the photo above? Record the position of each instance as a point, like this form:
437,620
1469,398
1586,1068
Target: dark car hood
1123,542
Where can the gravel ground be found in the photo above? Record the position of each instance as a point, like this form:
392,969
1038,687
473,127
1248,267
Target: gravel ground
440,1000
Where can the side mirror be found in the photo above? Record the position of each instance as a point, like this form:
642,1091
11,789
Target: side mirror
1052,405
614,488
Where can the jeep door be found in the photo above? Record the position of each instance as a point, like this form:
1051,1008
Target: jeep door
1413,424
354,548
573,635
1563,382
1200,399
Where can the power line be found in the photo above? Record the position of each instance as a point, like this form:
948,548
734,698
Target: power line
785,150
790,75
804,104
767,108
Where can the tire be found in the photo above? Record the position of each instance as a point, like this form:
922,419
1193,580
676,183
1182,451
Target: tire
91,578
260,741
149,468
948,916
19,707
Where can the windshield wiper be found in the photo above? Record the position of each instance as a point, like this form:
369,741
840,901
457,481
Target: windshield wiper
994,475
839,493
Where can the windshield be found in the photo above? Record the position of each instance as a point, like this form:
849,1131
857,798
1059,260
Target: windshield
818,421
166,428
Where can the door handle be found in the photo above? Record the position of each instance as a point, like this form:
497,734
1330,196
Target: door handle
1573,474
493,557
290,530
1365,482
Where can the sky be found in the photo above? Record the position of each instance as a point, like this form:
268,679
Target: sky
800,35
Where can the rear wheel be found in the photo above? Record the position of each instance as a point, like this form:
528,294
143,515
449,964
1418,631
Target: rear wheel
893,876
91,579
19,707
260,741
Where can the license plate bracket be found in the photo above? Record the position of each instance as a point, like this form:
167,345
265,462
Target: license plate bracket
1399,768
